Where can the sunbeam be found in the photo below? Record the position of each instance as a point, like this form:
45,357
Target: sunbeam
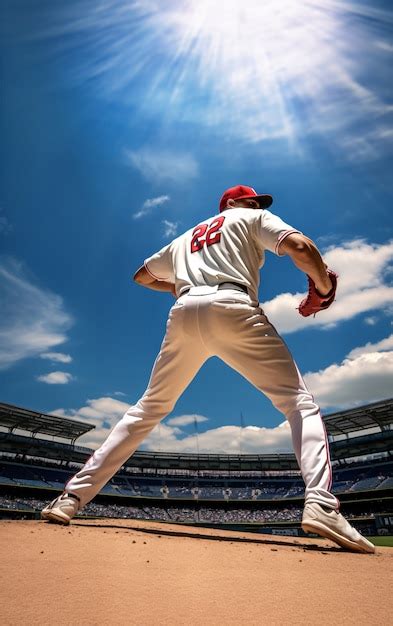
256,70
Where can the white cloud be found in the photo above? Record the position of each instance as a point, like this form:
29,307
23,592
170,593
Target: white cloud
370,261
380,346
56,357
358,291
356,381
371,320
32,320
149,204
101,412
160,165
55,378
96,409
185,420
170,228
167,436
222,440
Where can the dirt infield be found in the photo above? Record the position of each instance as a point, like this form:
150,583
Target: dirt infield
117,572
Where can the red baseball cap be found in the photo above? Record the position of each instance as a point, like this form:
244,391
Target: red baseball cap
242,192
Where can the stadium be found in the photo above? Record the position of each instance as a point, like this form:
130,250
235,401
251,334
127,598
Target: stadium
259,493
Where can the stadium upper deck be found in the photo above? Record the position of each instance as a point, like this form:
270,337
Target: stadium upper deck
345,429
17,418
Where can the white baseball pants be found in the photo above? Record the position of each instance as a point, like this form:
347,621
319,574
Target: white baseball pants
228,324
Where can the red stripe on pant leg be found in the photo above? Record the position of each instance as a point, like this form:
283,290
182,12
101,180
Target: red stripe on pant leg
329,462
327,455
327,448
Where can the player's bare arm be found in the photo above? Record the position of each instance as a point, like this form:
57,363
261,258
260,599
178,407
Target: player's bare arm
142,277
306,256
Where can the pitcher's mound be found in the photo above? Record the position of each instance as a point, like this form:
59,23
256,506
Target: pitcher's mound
142,573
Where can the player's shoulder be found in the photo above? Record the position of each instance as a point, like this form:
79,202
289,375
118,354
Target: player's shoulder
255,219
247,214
243,215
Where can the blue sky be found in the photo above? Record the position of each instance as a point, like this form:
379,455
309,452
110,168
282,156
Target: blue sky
123,123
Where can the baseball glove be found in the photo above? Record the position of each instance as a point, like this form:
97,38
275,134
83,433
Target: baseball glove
314,301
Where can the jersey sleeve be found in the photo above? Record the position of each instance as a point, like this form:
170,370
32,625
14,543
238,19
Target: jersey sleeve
160,265
271,230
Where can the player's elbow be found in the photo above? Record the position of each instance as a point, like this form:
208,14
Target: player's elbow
303,250
297,246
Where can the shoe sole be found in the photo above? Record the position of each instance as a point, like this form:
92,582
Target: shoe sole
52,517
313,526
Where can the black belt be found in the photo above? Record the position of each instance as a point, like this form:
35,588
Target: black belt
236,286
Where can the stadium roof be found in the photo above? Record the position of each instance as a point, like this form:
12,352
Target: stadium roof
376,415
17,418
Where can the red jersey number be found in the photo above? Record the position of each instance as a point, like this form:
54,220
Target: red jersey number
197,234
213,234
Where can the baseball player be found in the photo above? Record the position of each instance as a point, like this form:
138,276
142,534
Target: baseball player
213,271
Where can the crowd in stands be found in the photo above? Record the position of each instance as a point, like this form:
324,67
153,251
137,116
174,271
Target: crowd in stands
175,514
205,514
17,503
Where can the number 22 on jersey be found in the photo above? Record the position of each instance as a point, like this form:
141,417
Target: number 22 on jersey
213,234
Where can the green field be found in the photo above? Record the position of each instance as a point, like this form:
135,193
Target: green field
382,541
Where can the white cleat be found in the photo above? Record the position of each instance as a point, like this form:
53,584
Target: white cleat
62,509
332,525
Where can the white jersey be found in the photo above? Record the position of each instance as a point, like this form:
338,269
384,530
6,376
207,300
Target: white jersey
229,247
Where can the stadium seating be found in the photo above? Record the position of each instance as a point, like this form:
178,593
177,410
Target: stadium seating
365,484
22,475
353,477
